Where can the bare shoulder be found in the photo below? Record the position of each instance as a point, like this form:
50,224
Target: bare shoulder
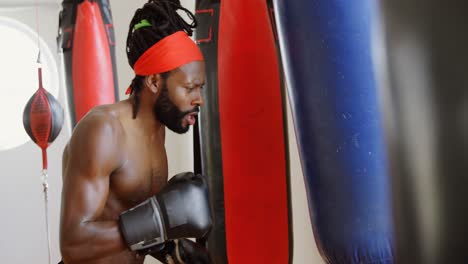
100,123
96,141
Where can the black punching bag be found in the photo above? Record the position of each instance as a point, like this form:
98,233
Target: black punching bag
426,106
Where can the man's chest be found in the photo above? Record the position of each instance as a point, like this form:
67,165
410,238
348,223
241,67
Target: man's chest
143,174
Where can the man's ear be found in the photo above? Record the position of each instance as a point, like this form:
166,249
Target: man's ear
154,82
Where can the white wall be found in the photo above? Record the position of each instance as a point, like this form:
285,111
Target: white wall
22,227
22,217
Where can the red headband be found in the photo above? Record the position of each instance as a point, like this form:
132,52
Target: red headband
167,54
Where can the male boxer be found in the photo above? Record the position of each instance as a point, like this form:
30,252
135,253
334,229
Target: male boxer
117,205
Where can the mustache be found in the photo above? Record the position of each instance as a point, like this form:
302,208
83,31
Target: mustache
196,109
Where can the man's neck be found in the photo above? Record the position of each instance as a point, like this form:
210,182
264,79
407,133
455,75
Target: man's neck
146,118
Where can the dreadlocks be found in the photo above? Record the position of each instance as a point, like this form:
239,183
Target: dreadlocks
164,20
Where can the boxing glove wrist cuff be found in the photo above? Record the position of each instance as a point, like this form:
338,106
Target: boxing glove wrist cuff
142,226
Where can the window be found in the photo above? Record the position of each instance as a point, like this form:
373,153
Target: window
19,81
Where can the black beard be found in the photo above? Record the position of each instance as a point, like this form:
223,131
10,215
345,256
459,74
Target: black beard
169,114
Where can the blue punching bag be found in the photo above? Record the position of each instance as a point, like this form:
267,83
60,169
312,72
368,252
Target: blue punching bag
325,46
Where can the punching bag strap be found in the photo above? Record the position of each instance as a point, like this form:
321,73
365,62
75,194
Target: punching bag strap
74,11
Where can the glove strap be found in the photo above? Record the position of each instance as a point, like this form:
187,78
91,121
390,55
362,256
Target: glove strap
158,221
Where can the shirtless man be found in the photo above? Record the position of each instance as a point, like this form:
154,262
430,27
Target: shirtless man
116,158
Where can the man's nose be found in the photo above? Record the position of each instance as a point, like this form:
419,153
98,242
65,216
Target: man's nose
198,101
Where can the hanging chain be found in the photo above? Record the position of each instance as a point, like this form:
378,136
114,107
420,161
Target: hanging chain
45,186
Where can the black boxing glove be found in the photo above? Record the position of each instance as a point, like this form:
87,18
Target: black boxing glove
181,251
181,209
187,251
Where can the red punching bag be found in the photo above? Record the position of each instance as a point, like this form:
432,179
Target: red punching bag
93,81
86,39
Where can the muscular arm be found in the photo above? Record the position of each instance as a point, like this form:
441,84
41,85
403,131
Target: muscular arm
89,159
